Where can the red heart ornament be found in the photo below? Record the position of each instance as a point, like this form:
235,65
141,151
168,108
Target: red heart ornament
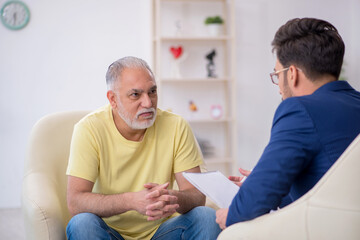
176,51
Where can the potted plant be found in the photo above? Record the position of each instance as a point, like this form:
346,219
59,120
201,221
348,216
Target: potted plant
214,25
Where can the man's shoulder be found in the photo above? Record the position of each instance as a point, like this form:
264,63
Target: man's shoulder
96,117
167,122
292,112
290,105
301,103
168,117
330,95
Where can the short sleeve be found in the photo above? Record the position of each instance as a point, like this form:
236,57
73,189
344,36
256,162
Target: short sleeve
187,151
84,153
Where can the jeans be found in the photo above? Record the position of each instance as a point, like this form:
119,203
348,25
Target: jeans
199,223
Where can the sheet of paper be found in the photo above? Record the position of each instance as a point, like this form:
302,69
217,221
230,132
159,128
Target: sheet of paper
215,186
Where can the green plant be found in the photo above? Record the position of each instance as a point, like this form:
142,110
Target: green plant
214,20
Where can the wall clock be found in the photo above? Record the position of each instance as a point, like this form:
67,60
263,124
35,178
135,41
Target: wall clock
216,111
15,15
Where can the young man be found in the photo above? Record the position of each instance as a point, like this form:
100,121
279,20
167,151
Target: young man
123,161
318,119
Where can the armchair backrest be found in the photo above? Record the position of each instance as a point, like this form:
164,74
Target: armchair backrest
330,210
334,203
44,185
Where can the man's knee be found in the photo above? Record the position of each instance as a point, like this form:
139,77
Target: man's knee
83,219
201,213
204,217
81,223
204,220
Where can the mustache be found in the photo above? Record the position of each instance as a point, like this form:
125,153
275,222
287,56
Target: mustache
146,110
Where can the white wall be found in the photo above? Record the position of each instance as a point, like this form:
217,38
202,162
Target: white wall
59,60
57,63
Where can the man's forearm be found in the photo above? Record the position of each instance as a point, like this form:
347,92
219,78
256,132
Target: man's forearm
99,204
188,199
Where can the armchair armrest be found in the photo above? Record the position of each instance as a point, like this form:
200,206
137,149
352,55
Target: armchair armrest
44,213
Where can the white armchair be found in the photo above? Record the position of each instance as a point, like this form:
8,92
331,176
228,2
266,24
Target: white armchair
44,185
330,210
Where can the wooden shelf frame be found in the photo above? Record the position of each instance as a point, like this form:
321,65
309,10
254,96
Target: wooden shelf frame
227,41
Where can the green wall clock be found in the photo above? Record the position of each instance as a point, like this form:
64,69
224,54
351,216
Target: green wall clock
15,15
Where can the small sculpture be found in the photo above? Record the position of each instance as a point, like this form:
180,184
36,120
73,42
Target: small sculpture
176,51
211,65
192,106
193,109
178,27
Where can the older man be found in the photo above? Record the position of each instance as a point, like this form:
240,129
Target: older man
318,119
123,161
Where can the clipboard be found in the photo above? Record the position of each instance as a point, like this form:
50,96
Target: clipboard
215,186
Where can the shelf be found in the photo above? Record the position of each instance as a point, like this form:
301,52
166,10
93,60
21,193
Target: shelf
222,120
201,38
194,80
183,24
193,0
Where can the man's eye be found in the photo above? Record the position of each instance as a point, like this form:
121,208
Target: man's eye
134,94
153,91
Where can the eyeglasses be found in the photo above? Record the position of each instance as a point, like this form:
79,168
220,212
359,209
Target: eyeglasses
275,76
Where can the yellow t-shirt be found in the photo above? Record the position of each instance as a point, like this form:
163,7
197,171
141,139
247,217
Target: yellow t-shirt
100,154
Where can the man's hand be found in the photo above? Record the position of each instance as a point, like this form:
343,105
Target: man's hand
154,201
221,216
162,203
239,180
139,199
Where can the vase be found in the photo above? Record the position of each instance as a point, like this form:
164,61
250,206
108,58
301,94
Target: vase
214,30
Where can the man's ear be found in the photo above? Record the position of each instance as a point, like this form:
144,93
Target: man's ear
112,98
293,76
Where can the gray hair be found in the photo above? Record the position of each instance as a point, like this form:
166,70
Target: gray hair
116,68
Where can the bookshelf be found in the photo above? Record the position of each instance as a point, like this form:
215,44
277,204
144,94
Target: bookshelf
179,25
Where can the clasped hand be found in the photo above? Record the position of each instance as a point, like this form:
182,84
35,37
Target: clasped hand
157,201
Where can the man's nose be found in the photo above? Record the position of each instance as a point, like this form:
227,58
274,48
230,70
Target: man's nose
146,101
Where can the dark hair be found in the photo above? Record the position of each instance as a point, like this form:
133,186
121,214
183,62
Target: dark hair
313,45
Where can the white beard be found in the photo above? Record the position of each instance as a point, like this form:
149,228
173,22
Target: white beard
134,123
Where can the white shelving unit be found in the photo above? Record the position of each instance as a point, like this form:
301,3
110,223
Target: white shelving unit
180,23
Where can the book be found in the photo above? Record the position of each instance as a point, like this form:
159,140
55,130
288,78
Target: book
215,186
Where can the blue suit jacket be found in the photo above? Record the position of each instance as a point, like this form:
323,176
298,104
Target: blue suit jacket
308,135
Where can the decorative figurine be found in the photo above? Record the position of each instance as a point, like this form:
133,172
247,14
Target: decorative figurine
193,109
192,106
178,26
176,51
179,56
211,65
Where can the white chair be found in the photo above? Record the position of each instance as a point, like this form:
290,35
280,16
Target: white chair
330,210
44,185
